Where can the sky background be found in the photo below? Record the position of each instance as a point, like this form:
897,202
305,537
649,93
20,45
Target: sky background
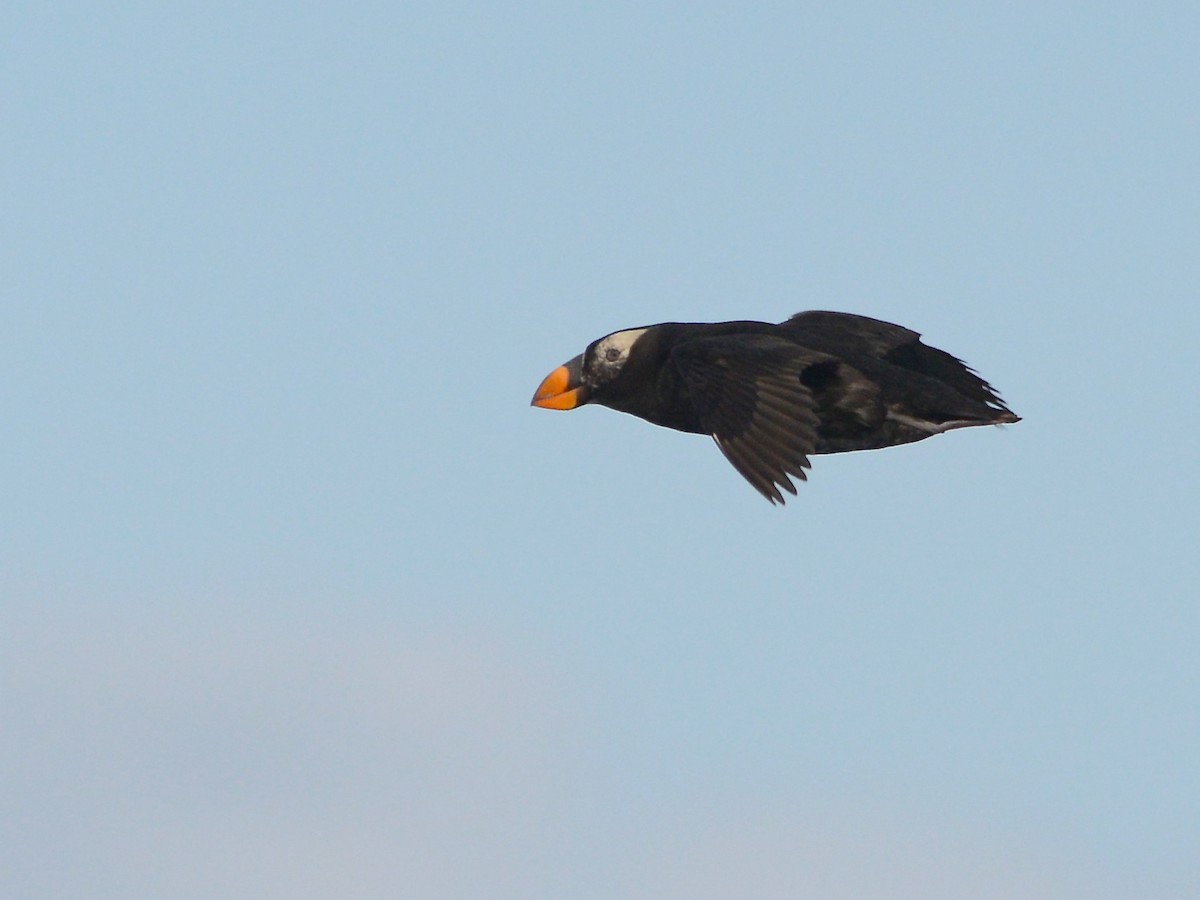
299,598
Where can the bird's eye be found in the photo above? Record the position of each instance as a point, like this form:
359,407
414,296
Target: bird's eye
612,354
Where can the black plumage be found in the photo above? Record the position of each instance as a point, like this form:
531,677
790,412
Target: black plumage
771,396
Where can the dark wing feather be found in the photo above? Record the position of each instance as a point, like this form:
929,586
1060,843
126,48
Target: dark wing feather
846,335
748,395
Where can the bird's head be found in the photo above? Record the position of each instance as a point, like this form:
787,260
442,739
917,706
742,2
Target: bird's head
588,376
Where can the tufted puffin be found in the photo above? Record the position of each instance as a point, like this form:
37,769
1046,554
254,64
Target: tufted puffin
771,396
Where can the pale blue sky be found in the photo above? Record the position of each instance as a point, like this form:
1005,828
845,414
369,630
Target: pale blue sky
300,598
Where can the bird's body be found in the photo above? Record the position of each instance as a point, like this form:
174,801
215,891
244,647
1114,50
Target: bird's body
773,395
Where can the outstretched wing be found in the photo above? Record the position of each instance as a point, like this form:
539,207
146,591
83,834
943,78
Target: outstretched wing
748,395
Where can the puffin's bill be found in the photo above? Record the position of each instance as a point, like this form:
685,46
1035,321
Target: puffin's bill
562,389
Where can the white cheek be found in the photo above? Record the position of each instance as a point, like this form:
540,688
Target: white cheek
621,341
618,346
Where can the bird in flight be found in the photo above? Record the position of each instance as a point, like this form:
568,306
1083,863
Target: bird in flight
771,396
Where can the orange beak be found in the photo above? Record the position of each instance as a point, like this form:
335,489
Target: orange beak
563,388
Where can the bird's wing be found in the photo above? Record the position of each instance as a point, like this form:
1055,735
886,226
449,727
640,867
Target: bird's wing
847,335
747,392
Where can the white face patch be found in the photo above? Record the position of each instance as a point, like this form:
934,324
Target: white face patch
610,352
